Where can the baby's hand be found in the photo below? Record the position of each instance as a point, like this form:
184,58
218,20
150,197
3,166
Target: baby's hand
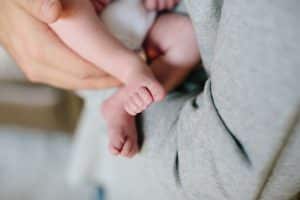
160,5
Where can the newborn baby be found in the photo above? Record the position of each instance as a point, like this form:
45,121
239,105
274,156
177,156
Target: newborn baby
109,34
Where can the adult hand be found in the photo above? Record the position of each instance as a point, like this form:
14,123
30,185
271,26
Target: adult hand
160,5
24,33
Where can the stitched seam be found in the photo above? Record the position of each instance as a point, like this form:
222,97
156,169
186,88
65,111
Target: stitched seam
228,130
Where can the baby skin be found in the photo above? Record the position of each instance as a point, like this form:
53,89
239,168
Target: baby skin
81,29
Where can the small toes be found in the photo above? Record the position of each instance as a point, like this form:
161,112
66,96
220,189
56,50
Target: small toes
145,96
117,141
127,148
156,90
138,101
133,151
113,150
131,108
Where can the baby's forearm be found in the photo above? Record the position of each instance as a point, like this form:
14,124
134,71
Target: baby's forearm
85,34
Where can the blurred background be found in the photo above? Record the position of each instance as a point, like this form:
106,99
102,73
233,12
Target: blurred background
36,129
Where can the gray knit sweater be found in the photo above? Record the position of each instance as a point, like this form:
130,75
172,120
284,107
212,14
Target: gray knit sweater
238,139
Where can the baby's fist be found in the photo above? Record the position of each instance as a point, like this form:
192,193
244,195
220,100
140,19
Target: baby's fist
159,5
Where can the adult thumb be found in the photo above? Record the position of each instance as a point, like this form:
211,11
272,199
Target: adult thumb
47,11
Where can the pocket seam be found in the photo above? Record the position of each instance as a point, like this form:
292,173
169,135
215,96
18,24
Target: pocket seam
238,143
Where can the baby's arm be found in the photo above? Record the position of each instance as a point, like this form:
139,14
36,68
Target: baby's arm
82,30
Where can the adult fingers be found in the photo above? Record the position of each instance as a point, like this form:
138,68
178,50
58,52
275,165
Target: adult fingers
56,78
64,59
47,11
45,59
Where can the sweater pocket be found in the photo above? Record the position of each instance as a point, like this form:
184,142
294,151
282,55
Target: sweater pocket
209,153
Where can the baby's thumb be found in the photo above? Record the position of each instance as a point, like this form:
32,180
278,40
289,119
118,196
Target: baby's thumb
47,11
